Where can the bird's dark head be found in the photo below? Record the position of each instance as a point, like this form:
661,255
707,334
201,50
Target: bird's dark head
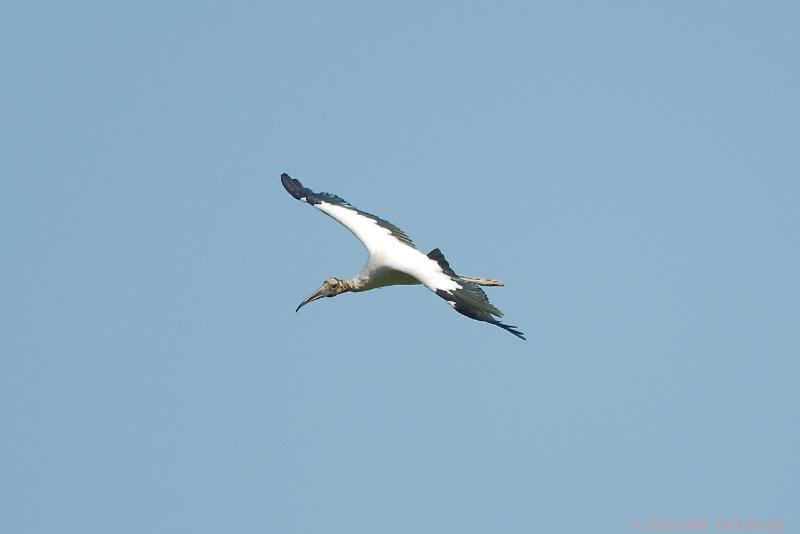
330,288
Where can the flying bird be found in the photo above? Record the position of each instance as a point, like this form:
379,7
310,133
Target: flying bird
394,260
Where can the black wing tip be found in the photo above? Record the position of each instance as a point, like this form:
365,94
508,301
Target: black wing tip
296,189
513,330
291,185
465,304
437,256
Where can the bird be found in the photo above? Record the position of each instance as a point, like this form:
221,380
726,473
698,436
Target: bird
395,260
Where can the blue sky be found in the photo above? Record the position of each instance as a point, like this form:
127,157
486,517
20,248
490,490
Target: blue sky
630,169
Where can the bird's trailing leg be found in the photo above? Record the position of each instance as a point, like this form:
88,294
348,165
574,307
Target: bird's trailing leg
481,281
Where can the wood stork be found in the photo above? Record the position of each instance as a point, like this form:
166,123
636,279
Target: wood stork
394,260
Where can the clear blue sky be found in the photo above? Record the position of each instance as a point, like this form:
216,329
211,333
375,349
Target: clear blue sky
631,170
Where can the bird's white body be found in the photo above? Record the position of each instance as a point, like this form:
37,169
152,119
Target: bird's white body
390,262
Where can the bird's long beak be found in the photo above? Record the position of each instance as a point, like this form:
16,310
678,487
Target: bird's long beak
318,294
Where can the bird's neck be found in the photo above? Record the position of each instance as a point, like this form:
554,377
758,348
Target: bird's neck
354,284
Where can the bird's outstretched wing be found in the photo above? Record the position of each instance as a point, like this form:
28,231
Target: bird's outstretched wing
467,298
370,229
